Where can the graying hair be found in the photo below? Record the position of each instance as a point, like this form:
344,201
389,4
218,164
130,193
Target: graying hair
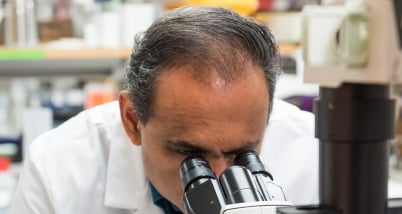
208,38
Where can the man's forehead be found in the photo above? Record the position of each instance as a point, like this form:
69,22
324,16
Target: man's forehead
179,92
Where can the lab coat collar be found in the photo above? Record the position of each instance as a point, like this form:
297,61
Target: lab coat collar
126,184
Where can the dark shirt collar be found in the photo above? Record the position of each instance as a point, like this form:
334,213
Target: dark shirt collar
164,204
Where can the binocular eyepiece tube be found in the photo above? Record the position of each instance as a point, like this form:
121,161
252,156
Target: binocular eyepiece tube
246,181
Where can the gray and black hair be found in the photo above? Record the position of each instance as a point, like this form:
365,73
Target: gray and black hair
209,39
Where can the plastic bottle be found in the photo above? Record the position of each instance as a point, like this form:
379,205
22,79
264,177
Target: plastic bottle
7,185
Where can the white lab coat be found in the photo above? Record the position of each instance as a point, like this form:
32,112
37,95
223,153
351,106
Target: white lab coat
88,166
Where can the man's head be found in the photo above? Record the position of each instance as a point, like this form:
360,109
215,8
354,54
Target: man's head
200,82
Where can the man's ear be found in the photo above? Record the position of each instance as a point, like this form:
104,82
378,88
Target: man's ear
131,122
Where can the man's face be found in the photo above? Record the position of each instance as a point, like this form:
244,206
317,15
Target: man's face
212,119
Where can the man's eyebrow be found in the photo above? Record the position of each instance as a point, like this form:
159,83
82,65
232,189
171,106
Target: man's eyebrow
182,144
249,146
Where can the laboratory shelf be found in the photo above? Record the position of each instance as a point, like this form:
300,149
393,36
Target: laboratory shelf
50,62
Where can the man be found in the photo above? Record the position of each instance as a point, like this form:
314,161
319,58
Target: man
200,81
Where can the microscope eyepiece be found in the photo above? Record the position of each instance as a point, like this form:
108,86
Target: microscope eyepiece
251,160
202,193
238,185
195,170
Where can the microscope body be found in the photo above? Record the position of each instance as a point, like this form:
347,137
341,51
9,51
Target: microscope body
357,42
353,51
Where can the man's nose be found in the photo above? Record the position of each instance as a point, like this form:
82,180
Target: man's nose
219,164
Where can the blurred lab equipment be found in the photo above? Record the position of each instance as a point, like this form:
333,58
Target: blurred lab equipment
7,185
20,26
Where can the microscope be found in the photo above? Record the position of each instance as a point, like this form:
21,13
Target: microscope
245,187
354,52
